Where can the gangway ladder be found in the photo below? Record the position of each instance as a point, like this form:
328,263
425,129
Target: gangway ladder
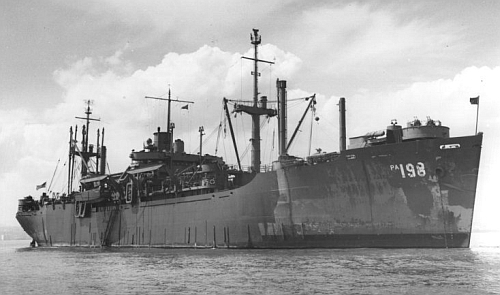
109,226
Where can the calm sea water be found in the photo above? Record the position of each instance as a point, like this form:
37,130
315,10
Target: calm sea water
25,270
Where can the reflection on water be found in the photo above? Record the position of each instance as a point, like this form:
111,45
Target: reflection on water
222,271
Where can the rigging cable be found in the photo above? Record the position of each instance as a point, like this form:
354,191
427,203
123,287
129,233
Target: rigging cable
58,176
241,79
220,128
57,165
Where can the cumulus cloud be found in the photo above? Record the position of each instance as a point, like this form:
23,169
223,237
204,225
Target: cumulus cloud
180,25
364,46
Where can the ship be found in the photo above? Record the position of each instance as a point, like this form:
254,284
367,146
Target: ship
400,187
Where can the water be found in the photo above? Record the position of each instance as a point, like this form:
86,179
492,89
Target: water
25,270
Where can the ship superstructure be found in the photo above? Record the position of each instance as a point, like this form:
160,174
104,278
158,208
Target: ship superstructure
399,187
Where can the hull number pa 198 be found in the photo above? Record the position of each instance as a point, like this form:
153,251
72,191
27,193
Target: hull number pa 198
409,170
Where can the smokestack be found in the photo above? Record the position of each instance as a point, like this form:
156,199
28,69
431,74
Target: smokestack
103,160
103,155
281,86
342,142
263,102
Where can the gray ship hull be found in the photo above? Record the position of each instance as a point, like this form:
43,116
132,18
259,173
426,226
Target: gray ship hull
228,218
412,194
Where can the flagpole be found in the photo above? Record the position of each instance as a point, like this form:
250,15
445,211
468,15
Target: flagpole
477,114
475,100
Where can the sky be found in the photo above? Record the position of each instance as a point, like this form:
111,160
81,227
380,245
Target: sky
389,59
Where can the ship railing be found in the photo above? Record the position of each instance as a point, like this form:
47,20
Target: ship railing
248,103
248,168
320,158
266,168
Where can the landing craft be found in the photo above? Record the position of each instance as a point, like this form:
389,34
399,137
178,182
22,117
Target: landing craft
410,186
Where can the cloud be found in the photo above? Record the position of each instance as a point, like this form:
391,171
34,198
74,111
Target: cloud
365,46
354,45
30,144
178,26
443,99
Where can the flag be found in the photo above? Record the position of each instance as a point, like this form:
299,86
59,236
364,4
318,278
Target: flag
41,186
474,100
185,107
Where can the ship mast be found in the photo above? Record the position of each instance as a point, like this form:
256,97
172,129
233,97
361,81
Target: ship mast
86,153
282,126
255,40
257,109
169,124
